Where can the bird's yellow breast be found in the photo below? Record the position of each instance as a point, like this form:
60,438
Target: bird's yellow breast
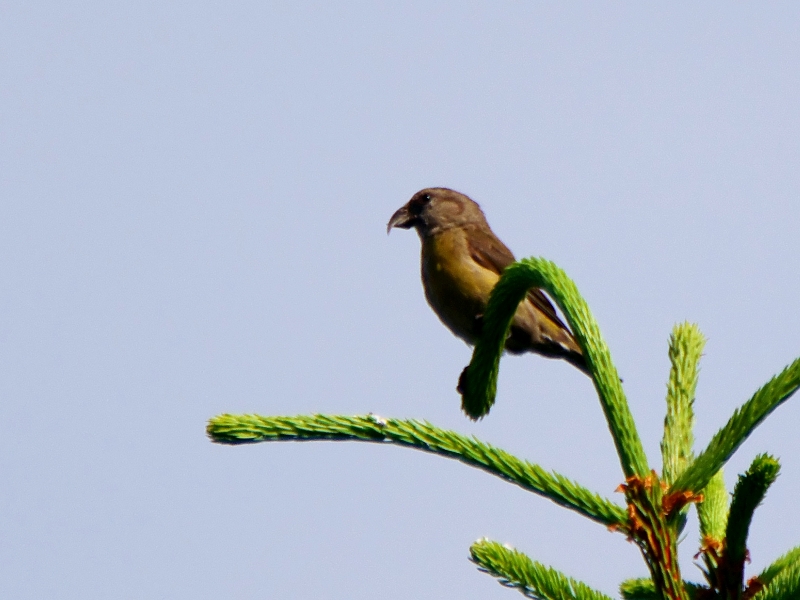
457,288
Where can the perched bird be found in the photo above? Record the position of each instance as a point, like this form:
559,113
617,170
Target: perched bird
462,260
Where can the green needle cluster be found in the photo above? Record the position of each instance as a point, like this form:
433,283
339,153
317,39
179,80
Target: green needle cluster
657,503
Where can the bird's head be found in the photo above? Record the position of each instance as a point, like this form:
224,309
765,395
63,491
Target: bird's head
435,209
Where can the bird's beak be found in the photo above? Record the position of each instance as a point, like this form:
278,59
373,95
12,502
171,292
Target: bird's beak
401,219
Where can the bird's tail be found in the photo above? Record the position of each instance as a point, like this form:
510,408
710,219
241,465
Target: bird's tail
552,342
566,347
577,360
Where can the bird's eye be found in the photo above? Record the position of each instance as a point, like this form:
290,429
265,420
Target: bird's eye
418,203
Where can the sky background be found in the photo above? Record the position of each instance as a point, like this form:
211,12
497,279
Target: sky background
193,200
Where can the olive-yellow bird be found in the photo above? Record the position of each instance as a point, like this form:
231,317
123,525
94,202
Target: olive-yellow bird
462,260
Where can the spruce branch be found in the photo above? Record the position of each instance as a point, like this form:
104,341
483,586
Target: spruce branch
747,495
686,345
243,429
784,586
744,420
652,529
645,589
478,383
638,589
713,510
656,507
788,560
534,580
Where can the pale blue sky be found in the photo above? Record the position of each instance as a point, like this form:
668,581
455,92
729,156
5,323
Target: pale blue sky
192,221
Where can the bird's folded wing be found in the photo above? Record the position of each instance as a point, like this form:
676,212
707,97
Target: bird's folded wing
490,253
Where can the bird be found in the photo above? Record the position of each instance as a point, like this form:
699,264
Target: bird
461,261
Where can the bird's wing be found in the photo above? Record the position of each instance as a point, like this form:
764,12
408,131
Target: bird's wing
490,253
